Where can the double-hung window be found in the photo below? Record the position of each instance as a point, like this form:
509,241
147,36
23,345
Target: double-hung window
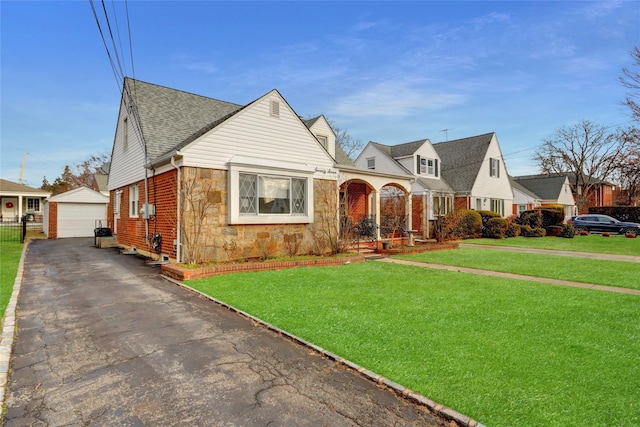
33,204
494,165
134,200
427,166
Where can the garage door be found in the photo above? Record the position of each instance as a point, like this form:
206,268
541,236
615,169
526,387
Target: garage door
79,219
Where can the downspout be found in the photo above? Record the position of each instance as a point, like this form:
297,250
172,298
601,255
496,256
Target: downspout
178,233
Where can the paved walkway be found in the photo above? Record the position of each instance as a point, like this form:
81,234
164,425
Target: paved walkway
104,340
589,255
530,278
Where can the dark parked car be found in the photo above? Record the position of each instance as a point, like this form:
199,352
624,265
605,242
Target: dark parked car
603,224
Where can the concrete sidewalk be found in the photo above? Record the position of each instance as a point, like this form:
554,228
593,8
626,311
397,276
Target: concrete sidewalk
588,255
524,277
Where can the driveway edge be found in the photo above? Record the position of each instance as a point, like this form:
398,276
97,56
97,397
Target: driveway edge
401,391
9,330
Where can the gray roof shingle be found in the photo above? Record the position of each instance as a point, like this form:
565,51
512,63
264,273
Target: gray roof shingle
547,187
171,118
461,160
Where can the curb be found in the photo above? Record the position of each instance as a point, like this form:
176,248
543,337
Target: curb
9,329
432,406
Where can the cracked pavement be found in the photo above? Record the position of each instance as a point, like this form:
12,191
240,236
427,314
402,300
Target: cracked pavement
104,340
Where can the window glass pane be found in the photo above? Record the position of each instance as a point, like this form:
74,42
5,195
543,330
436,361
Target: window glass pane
273,195
247,194
298,192
371,163
430,170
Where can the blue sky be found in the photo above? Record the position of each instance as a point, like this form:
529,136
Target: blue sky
390,72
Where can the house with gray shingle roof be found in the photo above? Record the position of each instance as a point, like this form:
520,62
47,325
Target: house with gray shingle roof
431,195
467,173
548,190
198,179
475,169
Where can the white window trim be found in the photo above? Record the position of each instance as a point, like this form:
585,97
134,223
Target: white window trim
33,201
371,161
247,165
134,204
494,167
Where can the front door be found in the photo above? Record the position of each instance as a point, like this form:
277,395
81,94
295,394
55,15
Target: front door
9,208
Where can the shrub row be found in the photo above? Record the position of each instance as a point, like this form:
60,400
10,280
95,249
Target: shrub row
469,224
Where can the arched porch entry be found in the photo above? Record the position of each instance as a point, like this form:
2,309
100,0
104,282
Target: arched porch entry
370,202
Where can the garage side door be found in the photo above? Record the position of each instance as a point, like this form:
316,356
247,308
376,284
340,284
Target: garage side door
79,219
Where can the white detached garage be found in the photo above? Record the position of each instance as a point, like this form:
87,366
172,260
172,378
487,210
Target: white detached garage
75,213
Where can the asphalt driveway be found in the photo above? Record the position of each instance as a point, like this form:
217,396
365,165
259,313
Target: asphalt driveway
104,340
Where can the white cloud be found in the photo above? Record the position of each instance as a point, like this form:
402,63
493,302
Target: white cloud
397,97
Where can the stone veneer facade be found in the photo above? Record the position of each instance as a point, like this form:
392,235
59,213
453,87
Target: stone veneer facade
206,234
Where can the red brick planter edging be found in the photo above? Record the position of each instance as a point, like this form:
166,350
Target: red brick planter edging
177,272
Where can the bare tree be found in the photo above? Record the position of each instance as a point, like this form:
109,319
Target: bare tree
585,149
326,230
349,144
80,175
197,198
628,173
631,80
392,211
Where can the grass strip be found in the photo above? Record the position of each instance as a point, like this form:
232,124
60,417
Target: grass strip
614,244
598,272
10,253
504,352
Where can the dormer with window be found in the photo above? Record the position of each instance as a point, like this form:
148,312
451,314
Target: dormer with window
427,167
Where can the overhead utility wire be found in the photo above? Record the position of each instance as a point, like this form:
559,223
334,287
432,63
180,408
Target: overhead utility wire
115,18
113,41
119,77
104,41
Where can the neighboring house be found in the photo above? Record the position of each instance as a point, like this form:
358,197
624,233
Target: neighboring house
549,190
523,198
475,169
18,200
75,213
201,179
432,196
100,179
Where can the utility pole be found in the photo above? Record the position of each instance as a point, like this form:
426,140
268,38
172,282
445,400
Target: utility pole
446,133
24,160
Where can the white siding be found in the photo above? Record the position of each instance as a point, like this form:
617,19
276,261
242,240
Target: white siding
126,166
425,151
255,132
520,198
566,196
383,162
80,195
486,186
322,128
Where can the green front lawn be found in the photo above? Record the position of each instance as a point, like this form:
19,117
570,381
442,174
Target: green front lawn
9,260
614,244
504,352
598,272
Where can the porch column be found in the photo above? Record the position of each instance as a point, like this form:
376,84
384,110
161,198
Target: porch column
375,200
20,201
425,216
408,208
